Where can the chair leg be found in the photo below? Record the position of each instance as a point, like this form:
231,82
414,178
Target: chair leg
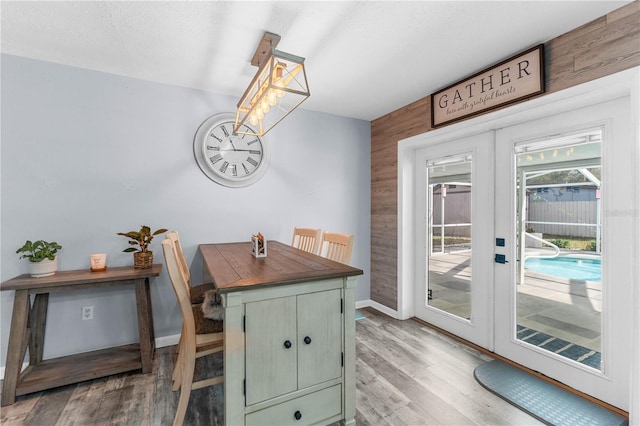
185,392
177,372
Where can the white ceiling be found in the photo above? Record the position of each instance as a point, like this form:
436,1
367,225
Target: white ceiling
364,58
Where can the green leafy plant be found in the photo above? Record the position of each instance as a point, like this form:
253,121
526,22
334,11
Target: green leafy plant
39,250
591,245
561,243
141,238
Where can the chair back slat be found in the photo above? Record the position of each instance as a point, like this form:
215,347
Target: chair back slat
307,239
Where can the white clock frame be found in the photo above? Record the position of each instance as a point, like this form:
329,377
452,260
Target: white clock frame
205,161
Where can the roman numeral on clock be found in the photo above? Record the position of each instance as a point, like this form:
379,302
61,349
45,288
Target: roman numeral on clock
224,166
215,158
251,161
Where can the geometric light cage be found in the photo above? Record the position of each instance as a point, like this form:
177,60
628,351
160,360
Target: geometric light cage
279,86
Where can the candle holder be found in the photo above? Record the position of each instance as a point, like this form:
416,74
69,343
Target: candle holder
258,246
98,262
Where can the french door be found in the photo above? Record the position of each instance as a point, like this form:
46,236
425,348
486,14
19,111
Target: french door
511,223
567,174
454,194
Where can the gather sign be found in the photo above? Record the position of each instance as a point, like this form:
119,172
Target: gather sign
513,80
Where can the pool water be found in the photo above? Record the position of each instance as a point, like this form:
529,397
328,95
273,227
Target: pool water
573,268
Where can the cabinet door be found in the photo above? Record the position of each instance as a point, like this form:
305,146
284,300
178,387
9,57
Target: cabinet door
271,345
319,337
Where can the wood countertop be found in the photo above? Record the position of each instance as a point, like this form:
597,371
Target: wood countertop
232,267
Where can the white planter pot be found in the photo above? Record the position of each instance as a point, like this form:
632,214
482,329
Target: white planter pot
44,268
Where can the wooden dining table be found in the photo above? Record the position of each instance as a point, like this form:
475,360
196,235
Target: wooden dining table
289,334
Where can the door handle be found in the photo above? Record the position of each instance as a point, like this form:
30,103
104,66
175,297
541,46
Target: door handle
501,258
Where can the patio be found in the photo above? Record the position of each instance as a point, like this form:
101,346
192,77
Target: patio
548,307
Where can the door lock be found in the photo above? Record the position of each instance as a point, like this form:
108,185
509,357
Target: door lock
501,258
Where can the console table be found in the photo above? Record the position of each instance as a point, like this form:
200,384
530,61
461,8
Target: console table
289,334
28,328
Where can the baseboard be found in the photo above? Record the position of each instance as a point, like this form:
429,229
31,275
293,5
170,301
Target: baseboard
25,365
161,342
378,307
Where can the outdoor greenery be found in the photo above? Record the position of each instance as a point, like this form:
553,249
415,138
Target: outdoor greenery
448,241
572,243
563,242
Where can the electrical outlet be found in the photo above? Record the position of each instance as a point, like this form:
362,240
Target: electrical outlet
87,313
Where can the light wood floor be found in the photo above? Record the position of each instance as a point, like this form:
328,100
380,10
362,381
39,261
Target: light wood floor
407,374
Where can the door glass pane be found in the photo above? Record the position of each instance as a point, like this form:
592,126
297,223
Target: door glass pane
559,285
449,235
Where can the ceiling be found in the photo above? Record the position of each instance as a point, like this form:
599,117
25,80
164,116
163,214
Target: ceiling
364,59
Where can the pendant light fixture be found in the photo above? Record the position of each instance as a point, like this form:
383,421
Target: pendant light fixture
277,89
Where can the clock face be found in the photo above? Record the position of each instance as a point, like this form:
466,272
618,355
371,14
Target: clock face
229,159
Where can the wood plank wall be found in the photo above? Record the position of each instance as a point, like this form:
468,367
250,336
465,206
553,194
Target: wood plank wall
602,47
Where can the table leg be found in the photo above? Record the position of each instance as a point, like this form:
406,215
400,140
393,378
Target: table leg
145,324
38,320
17,346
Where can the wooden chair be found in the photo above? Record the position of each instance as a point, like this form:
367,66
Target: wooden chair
196,292
337,247
307,239
192,344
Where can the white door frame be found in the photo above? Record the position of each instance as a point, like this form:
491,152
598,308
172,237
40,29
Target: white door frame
625,83
477,329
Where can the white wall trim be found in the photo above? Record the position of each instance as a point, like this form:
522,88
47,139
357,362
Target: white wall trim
378,307
164,341
634,408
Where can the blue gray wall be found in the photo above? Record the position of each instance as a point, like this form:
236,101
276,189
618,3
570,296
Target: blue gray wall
87,154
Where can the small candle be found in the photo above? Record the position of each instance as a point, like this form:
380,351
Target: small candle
99,262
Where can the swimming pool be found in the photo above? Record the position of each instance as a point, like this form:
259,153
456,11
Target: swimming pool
569,267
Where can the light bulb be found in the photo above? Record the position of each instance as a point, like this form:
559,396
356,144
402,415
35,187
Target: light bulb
253,120
259,113
273,99
279,93
265,105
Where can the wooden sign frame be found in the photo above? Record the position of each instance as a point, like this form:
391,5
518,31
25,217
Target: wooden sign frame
513,80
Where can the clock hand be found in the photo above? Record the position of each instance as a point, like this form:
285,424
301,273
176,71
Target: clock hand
240,150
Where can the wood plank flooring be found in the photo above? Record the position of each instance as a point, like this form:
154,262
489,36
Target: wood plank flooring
407,374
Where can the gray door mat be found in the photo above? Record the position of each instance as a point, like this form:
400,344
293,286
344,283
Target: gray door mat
546,402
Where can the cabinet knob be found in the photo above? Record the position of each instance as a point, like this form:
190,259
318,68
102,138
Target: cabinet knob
297,415
287,344
307,340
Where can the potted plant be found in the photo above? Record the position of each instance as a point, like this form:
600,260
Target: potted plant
42,257
142,257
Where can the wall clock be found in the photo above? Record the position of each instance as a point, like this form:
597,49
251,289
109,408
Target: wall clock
232,160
